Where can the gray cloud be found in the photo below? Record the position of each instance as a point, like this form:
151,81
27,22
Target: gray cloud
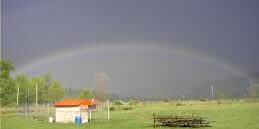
225,31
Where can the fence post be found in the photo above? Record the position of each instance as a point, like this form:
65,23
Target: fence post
48,108
90,115
17,97
36,99
108,105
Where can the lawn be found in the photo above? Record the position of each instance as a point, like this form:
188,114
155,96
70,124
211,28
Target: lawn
226,115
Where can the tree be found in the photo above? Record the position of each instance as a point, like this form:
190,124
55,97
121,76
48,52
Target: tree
42,90
251,92
72,93
23,83
47,83
7,91
6,66
56,92
7,84
253,89
86,93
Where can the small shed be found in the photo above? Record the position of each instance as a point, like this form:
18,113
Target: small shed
67,110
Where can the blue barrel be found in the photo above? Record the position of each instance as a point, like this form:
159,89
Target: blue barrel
78,120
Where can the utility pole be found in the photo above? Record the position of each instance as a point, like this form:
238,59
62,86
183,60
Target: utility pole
27,99
48,108
17,97
212,91
108,105
36,99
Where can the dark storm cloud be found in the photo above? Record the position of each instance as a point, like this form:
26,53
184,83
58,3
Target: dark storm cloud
226,29
222,30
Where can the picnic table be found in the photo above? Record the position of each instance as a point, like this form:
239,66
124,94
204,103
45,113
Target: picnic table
180,121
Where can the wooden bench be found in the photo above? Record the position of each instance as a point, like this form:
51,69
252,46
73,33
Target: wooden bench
179,121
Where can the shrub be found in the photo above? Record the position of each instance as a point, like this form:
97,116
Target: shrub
127,108
118,102
133,102
121,108
203,99
113,108
219,102
165,100
179,104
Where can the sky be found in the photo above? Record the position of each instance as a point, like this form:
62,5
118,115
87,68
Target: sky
170,45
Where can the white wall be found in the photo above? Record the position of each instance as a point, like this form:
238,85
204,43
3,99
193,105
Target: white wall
68,114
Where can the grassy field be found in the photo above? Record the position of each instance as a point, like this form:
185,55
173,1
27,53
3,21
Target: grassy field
227,115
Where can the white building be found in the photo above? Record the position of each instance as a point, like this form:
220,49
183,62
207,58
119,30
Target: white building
67,110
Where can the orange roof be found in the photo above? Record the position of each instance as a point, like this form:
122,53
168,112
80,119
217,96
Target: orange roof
75,102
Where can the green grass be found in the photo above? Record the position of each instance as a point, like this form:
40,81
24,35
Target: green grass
227,115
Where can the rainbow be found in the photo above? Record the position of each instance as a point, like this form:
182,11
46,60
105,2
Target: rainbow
62,55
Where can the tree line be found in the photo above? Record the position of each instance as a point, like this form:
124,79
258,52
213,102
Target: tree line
21,89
